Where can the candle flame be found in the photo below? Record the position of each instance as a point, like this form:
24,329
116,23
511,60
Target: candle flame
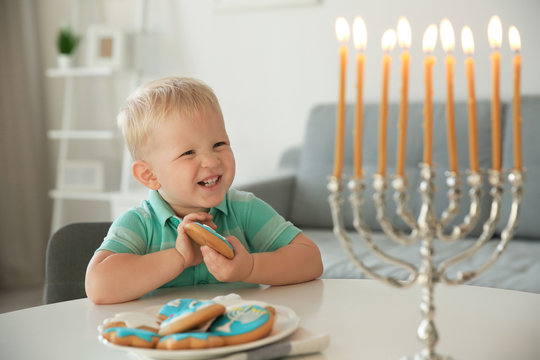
343,32
388,40
448,40
514,38
495,32
404,33
467,40
359,33
430,38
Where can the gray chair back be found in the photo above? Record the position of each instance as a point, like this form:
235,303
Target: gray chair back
68,252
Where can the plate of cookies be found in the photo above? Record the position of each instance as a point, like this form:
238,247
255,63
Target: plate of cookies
198,329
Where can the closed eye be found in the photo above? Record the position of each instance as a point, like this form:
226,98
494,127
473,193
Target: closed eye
218,144
189,152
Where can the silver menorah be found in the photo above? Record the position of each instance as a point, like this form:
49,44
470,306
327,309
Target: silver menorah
425,228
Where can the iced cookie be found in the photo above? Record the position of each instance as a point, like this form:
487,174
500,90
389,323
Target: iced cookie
131,337
190,340
243,324
191,314
172,307
205,235
136,320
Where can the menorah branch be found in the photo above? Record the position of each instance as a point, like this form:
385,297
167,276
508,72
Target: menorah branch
336,201
469,221
496,180
400,197
516,179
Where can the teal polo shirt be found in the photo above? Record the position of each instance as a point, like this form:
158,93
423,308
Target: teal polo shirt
152,227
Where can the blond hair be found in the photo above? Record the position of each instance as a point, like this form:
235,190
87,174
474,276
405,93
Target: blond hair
152,102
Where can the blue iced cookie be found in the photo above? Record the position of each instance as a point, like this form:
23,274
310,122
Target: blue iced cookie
190,314
243,324
190,340
131,337
172,307
205,235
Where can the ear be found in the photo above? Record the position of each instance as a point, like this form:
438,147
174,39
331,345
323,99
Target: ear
143,173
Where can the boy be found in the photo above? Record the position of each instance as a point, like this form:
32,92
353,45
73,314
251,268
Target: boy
175,132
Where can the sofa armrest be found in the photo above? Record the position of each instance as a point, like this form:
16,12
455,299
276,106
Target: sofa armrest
277,190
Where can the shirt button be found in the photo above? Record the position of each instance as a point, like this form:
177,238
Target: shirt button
202,282
175,221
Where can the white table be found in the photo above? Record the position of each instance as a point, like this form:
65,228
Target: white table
365,320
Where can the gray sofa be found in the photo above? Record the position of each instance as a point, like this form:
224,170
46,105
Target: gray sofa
298,190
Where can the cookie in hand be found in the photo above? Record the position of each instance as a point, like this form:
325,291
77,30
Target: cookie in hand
205,235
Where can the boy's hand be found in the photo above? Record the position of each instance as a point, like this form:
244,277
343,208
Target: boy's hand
237,269
189,250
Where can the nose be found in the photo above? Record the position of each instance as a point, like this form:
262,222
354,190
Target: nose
210,160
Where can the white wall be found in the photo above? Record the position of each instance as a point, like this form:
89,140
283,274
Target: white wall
269,67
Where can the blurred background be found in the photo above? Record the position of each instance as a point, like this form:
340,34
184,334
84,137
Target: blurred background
269,62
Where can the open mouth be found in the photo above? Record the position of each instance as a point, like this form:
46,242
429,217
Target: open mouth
210,181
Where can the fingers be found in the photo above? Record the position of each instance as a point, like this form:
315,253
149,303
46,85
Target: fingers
223,269
184,245
200,217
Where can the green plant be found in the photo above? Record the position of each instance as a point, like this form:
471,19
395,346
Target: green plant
66,41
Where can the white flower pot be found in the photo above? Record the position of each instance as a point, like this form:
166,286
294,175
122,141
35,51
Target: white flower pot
64,61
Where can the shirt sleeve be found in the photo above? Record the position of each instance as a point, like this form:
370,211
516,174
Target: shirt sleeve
264,228
127,234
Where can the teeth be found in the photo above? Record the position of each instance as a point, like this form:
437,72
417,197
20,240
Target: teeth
210,182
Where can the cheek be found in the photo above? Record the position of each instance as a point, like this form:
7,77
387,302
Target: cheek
231,162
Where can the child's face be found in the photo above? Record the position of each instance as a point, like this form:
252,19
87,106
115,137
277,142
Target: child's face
192,160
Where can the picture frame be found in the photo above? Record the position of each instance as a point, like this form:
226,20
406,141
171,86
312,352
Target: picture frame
105,46
236,5
82,175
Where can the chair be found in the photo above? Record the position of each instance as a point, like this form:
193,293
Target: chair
69,250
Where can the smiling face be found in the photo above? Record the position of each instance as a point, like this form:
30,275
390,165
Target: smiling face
190,161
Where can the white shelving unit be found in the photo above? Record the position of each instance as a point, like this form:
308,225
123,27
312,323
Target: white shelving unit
67,133
79,72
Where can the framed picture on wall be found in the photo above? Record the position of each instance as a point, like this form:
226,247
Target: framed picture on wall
105,46
233,5
87,175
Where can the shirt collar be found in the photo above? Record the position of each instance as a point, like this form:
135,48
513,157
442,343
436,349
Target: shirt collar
161,208
164,211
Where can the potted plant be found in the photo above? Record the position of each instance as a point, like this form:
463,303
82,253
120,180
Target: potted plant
66,43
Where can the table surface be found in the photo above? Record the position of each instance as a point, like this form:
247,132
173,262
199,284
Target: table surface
364,318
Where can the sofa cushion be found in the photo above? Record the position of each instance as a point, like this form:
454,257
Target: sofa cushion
516,269
528,221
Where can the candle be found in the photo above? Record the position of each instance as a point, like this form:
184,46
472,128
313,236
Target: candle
515,45
495,40
467,42
404,41
448,42
343,34
360,42
387,43
428,44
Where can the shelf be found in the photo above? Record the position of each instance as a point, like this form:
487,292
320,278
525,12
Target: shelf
79,72
82,134
82,195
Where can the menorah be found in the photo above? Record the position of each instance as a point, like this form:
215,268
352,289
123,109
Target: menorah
425,228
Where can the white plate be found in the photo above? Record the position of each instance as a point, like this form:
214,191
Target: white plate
286,323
